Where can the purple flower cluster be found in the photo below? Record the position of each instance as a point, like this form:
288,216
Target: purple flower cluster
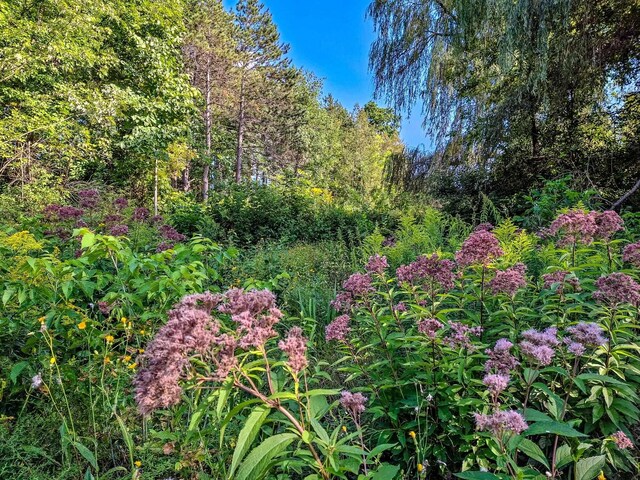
58,212
631,254
487,227
584,335
113,218
496,383
459,336
338,329
121,203
377,264
510,280
501,422
607,224
429,327
428,270
353,403
140,214
539,346
356,287
105,308
400,307
295,346
88,199
171,234
575,226
256,314
190,328
561,278
500,358
119,230
621,440
481,248
617,288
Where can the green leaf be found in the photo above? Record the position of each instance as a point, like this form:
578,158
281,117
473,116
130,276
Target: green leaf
563,456
88,240
248,434
386,472
8,293
532,450
589,468
553,428
256,465
86,453
480,476
17,370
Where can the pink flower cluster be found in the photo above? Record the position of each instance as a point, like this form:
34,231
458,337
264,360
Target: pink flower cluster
631,254
496,383
584,335
561,278
255,313
459,336
429,327
481,248
608,223
500,358
539,346
575,226
510,280
353,403
338,329
377,264
295,346
428,270
621,440
190,328
356,287
617,288
501,422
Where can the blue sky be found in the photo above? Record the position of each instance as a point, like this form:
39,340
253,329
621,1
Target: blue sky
331,38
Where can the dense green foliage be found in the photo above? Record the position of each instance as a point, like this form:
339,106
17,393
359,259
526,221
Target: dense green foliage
515,92
182,212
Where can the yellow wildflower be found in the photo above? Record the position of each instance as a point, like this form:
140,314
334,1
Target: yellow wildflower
420,467
124,320
41,319
412,434
109,338
601,476
107,360
141,350
344,429
132,366
141,332
82,325
137,463
127,358
52,360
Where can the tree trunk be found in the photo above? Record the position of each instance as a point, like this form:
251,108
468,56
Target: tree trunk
155,188
207,128
241,121
186,181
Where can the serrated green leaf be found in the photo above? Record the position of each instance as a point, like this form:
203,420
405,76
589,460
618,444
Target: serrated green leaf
589,468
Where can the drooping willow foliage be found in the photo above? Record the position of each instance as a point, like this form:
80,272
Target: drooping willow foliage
503,82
